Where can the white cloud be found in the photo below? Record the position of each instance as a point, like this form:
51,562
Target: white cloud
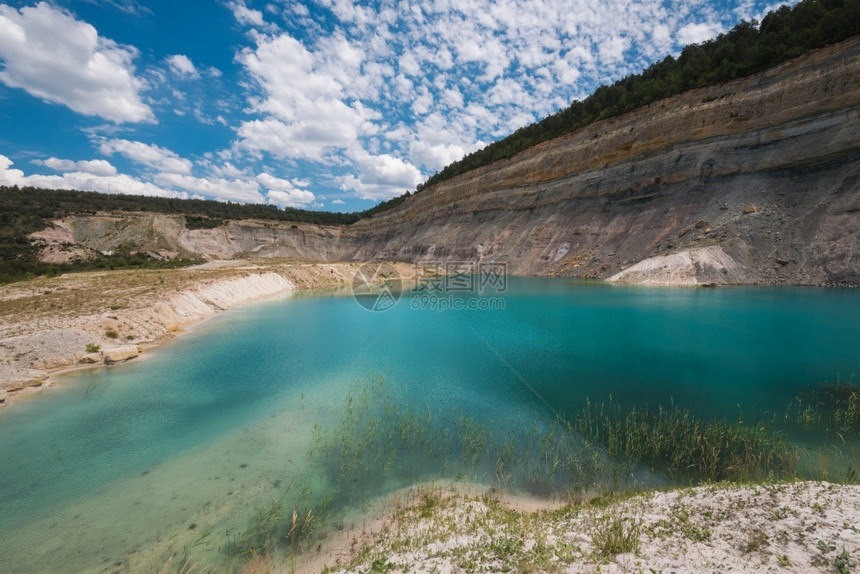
116,183
435,156
697,33
182,66
381,176
612,50
246,16
60,59
238,190
94,167
285,193
380,78
304,97
150,155
338,202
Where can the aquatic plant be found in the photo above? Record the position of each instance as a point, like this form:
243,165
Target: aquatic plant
286,523
844,400
384,440
686,448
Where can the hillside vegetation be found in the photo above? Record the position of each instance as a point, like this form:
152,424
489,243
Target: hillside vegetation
26,210
748,48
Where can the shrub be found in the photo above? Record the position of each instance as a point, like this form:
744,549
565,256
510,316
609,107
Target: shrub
93,348
111,334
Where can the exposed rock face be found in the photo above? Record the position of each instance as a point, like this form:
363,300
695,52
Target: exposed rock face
256,239
760,177
27,359
120,354
14,378
768,166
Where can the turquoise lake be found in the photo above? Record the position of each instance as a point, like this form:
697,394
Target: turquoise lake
116,469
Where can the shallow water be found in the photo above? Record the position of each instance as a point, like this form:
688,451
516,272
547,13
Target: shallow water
117,468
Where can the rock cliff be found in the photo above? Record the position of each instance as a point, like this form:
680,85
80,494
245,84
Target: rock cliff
754,181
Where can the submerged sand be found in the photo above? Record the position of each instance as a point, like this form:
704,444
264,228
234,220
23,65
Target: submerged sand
83,320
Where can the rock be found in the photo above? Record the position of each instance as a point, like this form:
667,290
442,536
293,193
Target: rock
90,359
750,209
120,354
3,394
14,378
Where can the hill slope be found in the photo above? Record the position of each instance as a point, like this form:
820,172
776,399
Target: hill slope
754,181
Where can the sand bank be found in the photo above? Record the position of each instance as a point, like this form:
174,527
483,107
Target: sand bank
790,527
83,320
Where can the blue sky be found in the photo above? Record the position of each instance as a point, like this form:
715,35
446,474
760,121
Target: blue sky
319,104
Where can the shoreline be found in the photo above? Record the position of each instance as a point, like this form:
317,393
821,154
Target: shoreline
38,350
803,526
136,312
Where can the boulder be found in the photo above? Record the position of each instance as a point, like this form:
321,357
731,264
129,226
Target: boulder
120,354
3,394
90,359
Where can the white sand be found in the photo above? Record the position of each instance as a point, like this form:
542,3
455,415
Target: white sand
796,527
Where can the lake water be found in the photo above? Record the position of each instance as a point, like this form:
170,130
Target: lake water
179,452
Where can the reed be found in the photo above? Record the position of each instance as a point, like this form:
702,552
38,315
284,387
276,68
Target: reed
687,449
843,399
385,441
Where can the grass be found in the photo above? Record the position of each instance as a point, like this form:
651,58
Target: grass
843,400
601,454
614,534
686,448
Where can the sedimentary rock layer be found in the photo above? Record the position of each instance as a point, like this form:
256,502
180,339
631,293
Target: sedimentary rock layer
754,181
764,169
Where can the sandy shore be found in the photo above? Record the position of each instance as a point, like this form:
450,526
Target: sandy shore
83,320
789,527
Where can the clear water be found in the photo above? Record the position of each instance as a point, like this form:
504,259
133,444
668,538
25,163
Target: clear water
115,469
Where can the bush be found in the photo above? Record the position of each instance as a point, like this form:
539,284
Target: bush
93,348
111,334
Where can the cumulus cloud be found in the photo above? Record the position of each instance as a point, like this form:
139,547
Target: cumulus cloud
150,155
695,33
105,183
182,66
53,56
94,167
246,16
238,190
285,193
417,86
303,99
381,176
